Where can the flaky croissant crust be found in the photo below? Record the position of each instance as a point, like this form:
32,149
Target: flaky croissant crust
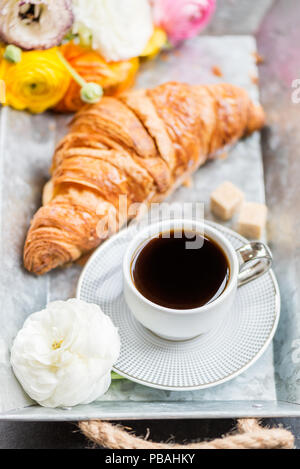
141,145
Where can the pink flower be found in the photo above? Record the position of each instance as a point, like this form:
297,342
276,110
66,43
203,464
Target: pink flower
182,19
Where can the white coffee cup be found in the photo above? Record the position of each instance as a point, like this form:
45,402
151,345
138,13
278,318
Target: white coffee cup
247,263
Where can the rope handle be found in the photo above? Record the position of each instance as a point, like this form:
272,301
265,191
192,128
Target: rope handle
249,435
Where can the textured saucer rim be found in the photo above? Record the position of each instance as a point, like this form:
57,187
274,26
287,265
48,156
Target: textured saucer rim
230,376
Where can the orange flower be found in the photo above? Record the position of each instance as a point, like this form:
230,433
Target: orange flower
113,77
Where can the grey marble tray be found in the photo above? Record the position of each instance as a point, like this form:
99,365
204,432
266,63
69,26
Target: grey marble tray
26,148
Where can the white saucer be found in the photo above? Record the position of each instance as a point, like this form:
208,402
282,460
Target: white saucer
198,363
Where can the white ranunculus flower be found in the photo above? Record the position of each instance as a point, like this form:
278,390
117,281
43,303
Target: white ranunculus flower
120,28
63,355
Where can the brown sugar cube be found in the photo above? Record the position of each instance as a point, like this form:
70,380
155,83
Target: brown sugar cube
225,200
252,220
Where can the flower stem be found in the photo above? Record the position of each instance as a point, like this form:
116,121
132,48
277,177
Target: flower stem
73,72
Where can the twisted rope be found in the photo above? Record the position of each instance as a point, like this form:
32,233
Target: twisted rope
249,435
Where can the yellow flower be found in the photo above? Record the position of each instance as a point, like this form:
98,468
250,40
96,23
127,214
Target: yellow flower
35,83
155,43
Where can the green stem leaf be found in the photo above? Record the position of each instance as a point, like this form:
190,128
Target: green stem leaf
73,73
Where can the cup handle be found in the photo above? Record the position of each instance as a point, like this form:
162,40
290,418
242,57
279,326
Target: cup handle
255,259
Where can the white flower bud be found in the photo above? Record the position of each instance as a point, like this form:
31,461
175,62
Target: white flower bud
91,93
63,355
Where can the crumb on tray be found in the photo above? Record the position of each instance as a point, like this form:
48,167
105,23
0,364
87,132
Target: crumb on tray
259,59
252,220
216,71
254,78
188,182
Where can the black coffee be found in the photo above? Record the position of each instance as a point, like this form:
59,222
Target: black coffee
170,273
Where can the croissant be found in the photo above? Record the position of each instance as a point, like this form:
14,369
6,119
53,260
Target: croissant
141,145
